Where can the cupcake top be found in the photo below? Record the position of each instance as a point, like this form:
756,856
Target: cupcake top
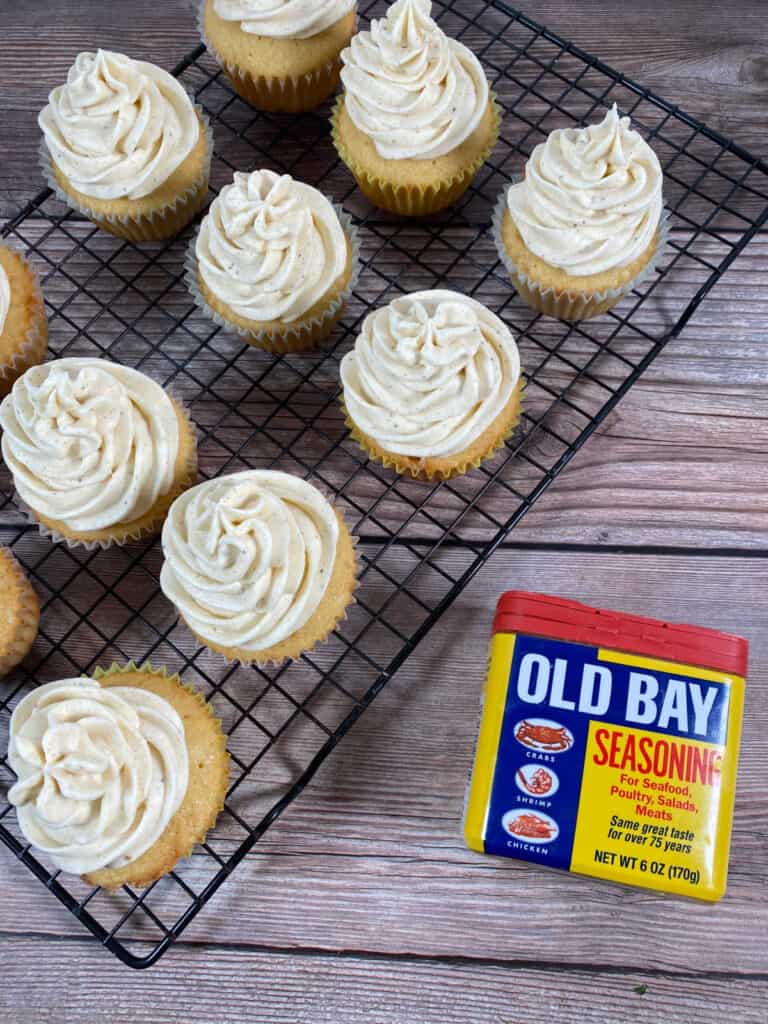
591,199
415,92
429,373
248,557
119,127
89,443
5,297
270,247
283,19
101,771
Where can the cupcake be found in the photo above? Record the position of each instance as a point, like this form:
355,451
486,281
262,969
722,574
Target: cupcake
279,54
432,386
19,613
274,261
118,776
23,323
416,119
97,451
124,145
258,564
586,224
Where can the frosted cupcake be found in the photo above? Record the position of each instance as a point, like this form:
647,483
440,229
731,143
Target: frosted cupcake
119,775
124,145
273,261
23,322
279,54
586,224
416,119
432,386
19,613
97,451
258,564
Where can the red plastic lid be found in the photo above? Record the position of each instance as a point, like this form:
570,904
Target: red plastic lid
561,619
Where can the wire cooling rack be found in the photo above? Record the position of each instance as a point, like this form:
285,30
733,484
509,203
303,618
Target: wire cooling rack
420,544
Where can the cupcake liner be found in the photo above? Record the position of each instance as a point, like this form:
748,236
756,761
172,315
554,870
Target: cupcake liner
289,95
568,305
164,222
35,344
412,200
261,662
28,616
196,835
283,338
403,464
148,529
285,95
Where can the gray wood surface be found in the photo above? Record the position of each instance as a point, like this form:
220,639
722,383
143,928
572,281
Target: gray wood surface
361,903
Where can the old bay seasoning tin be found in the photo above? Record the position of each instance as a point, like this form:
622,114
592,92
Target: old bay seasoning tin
608,745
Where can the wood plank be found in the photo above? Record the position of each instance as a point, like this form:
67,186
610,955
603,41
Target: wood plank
372,847
345,989
697,417
716,73
370,856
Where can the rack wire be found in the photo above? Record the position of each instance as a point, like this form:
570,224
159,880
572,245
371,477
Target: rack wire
420,543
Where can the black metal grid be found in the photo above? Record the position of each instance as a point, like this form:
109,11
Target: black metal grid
419,543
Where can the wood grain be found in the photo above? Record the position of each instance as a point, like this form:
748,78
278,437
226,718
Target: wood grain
196,984
681,461
714,65
369,861
372,851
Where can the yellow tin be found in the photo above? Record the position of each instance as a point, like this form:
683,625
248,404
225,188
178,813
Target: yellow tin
608,745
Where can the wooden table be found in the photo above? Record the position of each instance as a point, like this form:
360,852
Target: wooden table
362,903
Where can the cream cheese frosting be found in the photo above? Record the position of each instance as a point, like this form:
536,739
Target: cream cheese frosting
270,247
414,91
89,443
429,373
248,557
283,19
119,127
591,199
101,771
5,297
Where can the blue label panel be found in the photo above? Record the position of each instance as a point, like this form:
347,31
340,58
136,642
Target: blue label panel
555,690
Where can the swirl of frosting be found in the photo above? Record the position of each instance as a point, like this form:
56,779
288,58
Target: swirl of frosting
101,771
591,198
5,297
270,247
248,557
119,127
429,373
283,19
89,443
412,90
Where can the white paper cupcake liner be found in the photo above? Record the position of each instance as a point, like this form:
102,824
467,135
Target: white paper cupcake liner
413,200
142,533
270,339
282,93
34,346
132,226
567,305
